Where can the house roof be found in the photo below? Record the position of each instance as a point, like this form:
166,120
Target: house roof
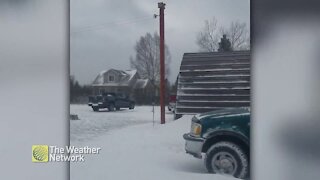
126,77
141,83
212,81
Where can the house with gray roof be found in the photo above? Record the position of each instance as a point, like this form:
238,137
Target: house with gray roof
123,82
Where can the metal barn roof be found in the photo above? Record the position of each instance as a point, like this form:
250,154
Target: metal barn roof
212,81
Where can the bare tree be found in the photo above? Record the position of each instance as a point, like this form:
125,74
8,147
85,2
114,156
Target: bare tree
238,35
208,38
147,58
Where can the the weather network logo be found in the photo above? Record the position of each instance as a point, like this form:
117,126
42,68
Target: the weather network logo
40,153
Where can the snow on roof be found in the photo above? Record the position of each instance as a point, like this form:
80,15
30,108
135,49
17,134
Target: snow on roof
99,78
131,73
141,83
125,77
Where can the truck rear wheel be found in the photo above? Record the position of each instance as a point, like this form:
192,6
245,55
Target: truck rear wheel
111,107
227,158
131,106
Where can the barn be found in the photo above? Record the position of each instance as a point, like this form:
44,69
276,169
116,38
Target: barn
213,81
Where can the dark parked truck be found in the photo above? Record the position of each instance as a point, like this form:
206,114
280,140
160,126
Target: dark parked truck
111,101
223,137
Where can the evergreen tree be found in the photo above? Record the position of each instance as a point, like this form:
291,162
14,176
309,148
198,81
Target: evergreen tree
224,44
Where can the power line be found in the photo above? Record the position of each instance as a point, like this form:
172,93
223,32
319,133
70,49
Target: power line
113,23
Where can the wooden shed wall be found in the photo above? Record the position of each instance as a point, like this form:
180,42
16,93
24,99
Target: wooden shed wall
212,81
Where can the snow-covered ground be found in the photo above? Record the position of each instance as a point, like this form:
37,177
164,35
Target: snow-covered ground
94,124
133,147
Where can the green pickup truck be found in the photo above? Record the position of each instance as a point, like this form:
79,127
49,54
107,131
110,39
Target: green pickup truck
224,137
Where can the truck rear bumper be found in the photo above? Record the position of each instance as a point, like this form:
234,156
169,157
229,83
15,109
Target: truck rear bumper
99,105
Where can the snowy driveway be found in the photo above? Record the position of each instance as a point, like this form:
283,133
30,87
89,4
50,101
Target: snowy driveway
132,147
93,124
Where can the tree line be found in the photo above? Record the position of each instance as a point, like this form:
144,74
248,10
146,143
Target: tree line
78,93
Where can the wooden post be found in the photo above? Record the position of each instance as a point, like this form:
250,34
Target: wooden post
161,6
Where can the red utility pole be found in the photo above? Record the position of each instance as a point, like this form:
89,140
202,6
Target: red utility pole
161,6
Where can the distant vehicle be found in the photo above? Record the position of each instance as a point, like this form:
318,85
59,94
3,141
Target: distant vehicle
172,103
223,136
111,101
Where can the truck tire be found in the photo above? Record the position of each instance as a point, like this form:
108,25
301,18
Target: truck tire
177,116
95,109
227,158
131,106
111,107
117,108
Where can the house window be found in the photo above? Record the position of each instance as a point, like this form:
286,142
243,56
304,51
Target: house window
111,78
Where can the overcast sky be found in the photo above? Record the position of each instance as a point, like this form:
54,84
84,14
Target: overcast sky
104,32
